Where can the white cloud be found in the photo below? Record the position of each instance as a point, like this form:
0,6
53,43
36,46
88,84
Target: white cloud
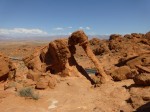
81,28
21,31
69,33
62,28
69,27
92,33
87,28
84,28
59,28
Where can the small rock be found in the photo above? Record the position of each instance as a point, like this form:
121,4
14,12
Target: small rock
52,82
9,84
29,83
98,109
142,79
42,83
33,75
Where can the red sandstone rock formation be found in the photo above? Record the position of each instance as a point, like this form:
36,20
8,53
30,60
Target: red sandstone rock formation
7,69
80,38
58,58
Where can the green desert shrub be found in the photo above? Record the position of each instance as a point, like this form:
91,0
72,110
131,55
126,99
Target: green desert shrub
28,92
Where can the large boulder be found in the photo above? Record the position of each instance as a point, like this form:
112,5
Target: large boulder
34,62
122,73
7,69
95,41
99,46
115,42
53,58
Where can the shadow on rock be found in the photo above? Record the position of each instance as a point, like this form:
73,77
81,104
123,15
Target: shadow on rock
144,108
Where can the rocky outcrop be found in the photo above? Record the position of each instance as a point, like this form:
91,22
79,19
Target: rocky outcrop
58,58
129,44
7,69
142,65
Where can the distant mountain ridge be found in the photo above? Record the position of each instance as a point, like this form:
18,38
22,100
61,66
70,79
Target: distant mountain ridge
42,38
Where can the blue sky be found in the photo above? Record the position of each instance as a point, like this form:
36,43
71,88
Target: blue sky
56,17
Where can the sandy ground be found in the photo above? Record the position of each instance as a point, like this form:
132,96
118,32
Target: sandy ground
72,94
